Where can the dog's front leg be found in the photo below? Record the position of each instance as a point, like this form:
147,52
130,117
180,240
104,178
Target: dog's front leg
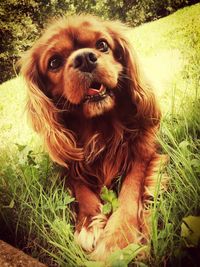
90,221
124,226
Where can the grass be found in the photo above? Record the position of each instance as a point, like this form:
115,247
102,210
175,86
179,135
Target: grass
34,203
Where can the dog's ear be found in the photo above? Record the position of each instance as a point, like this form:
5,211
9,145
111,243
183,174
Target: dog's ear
44,116
141,92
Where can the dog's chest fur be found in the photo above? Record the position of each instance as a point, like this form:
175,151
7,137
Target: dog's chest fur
108,145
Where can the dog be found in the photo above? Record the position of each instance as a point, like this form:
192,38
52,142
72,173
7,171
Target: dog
98,116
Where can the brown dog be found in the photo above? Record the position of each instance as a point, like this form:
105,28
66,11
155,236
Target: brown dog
98,117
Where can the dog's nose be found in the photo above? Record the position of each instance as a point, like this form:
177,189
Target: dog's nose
85,62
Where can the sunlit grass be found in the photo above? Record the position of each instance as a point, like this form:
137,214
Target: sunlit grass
35,204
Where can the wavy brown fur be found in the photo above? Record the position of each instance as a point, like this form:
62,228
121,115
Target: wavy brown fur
95,141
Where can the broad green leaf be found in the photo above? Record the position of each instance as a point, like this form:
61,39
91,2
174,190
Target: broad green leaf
126,255
110,199
190,230
107,208
107,195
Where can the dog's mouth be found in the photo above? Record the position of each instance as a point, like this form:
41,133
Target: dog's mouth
96,92
98,99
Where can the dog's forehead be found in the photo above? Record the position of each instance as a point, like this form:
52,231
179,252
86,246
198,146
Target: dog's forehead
86,32
67,36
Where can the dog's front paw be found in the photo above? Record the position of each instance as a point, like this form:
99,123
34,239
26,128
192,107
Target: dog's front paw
121,230
89,234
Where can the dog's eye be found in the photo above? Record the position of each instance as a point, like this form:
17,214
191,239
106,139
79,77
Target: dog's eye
102,46
55,62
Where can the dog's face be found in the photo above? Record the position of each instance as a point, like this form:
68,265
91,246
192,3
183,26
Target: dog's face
86,67
79,59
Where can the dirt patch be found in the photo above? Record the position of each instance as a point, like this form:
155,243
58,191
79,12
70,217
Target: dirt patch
12,257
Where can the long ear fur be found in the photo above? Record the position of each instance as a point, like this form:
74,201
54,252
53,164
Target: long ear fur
44,116
142,94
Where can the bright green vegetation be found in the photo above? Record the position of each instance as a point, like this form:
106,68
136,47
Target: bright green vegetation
35,205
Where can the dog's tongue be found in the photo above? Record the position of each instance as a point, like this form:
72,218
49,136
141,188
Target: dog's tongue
93,91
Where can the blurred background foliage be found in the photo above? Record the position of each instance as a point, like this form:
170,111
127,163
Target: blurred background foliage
21,22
